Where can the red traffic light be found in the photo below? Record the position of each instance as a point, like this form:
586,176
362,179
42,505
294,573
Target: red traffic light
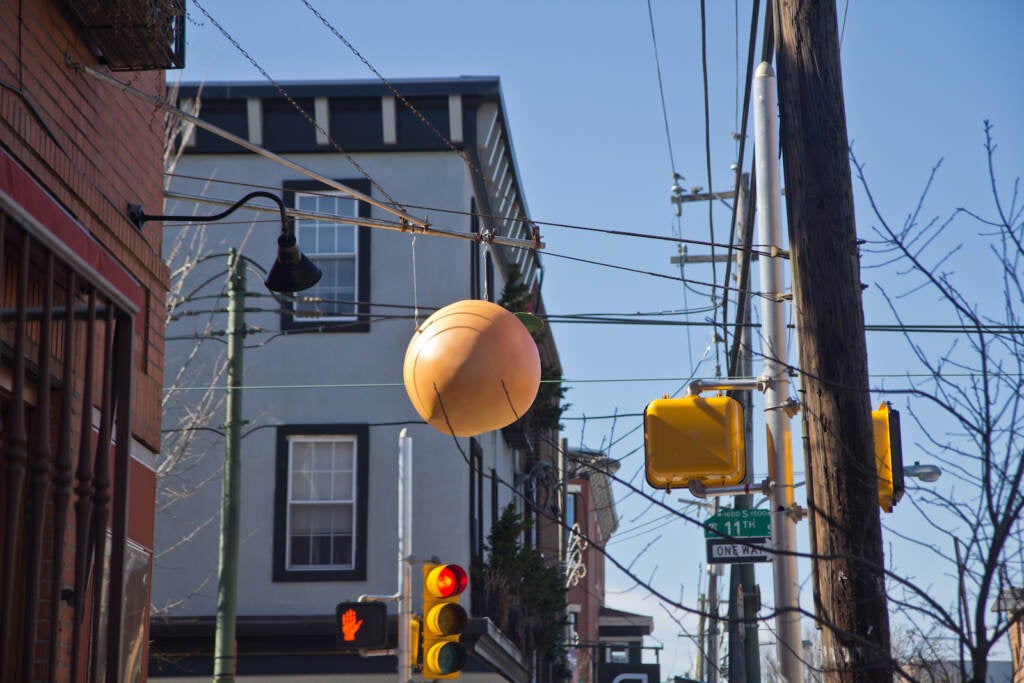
445,581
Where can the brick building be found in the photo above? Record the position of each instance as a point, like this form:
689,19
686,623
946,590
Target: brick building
607,644
81,345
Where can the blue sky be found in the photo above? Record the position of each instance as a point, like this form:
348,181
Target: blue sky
581,92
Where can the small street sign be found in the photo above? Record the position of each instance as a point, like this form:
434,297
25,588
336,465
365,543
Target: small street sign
362,625
745,524
723,551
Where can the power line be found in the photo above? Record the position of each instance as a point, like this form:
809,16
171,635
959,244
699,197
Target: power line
733,362
601,380
707,156
756,250
661,91
610,318
296,105
463,154
640,271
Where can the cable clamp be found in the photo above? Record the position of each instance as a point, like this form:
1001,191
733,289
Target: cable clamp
796,513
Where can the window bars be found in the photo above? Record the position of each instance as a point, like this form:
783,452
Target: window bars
65,434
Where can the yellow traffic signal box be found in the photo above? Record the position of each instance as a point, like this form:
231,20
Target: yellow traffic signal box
444,620
694,438
888,455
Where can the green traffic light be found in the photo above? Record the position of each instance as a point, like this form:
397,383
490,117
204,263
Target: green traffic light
450,657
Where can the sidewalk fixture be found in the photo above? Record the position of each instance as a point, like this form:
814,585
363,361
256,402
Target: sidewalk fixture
291,272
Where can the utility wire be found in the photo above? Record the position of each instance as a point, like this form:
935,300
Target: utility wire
297,106
760,250
400,97
707,155
609,318
604,380
743,280
661,92
640,271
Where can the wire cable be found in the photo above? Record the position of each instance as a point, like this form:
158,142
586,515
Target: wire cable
744,278
661,92
297,106
707,155
758,250
463,154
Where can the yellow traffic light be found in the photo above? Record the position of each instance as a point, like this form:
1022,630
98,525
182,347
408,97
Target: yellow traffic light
694,438
888,455
444,619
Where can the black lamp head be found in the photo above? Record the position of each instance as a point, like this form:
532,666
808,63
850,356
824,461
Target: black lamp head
292,271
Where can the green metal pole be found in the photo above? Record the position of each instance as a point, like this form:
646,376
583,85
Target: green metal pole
227,566
744,648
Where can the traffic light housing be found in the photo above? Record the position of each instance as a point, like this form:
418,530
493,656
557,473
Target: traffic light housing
694,438
888,455
443,621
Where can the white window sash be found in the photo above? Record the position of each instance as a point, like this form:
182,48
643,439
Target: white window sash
352,501
317,256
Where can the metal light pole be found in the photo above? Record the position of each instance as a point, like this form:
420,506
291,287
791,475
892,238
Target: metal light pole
405,644
227,565
780,460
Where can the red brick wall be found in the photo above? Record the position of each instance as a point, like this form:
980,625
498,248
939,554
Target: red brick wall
96,150
589,593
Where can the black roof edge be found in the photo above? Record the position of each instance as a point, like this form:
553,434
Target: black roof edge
408,87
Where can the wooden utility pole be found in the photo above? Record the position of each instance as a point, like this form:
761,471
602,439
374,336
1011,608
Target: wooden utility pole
842,479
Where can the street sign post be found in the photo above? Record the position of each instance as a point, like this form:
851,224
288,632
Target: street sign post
744,523
723,551
738,536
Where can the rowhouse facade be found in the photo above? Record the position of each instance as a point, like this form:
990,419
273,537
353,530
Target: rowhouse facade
322,373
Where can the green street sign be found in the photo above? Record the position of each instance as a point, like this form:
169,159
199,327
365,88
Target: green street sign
739,524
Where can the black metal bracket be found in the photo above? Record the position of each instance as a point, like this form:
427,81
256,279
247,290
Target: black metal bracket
138,216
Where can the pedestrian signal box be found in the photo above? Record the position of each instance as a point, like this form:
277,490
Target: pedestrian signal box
694,438
362,625
888,455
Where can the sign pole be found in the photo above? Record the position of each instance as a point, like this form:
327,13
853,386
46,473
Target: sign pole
405,646
739,536
780,462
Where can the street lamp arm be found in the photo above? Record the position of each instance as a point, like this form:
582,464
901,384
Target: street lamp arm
139,217
291,272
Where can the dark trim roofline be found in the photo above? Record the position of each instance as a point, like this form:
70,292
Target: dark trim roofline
485,86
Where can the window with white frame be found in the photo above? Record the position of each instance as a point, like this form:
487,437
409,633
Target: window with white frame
340,302
334,248
320,504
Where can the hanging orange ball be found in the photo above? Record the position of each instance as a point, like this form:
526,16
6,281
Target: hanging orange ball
471,367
